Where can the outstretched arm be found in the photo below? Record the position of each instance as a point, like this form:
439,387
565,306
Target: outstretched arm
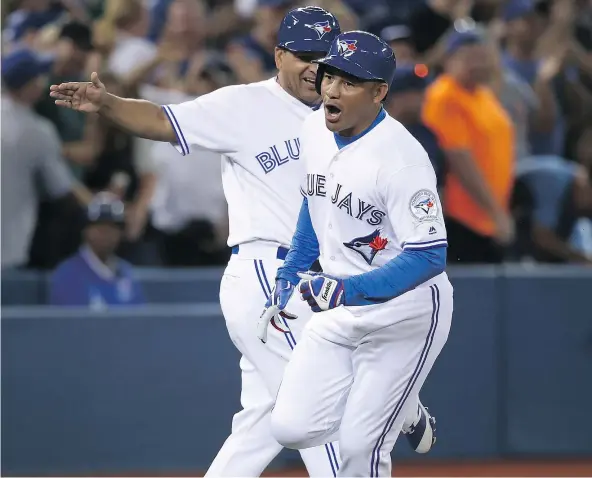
138,117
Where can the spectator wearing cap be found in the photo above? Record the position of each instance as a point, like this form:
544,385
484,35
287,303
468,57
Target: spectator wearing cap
32,165
405,102
95,277
536,48
478,138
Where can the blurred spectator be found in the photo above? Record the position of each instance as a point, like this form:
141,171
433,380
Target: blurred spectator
433,21
405,102
370,12
347,18
400,38
71,50
181,45
478,138
529,108
121,35
536,49
252,56
112,167
22,25
95,277
189,209
32,165
552,195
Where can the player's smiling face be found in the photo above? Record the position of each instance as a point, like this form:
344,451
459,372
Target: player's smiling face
297,73
351,105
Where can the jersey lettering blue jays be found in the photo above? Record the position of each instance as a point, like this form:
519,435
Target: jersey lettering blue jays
371,199
344,200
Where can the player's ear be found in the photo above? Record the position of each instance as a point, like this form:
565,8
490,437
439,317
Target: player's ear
380,91
279,57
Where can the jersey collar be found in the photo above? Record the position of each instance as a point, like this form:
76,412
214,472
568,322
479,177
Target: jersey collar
343,141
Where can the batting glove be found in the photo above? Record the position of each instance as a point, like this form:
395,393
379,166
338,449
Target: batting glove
275,305
322,292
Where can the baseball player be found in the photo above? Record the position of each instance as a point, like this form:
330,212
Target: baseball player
383,303
255,128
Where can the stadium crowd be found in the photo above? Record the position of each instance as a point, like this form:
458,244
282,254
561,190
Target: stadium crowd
499,92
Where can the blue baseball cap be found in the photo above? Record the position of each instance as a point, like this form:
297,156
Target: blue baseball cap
308,29
361,55
21,66
518,8
460,39
406,79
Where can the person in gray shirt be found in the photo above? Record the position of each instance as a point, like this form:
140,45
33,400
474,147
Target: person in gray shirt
31,160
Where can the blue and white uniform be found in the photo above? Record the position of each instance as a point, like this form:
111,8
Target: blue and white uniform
372,215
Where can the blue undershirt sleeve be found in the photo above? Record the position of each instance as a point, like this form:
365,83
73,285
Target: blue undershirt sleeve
304,249
401,274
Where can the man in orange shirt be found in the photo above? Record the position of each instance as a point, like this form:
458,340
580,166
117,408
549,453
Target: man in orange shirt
478,139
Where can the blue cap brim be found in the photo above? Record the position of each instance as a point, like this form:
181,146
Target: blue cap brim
347,66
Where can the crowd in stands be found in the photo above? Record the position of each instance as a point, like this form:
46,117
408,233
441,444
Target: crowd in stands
499,92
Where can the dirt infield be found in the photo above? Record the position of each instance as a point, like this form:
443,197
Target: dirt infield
522,468
565,468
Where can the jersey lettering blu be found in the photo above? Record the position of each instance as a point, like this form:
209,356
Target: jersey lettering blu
255,128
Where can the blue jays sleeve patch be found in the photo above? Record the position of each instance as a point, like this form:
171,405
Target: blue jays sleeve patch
424,206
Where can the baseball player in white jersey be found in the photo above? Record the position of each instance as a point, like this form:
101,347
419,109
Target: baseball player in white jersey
255,128
383,303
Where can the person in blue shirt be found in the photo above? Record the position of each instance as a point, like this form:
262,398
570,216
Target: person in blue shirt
95,277
550,196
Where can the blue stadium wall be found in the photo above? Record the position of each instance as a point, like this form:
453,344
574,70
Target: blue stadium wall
153,390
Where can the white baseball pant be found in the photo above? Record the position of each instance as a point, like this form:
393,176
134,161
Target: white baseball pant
246,284
356,375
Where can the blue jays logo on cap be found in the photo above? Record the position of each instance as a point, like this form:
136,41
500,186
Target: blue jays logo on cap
346,47
321,28
368,246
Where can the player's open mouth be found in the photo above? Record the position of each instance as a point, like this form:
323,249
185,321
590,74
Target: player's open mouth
332,113
309,81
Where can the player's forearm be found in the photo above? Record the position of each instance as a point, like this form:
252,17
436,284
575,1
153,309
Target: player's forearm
402,274
138,117
304,249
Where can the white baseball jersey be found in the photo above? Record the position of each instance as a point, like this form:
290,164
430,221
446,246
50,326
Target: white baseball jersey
370,200
255,128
